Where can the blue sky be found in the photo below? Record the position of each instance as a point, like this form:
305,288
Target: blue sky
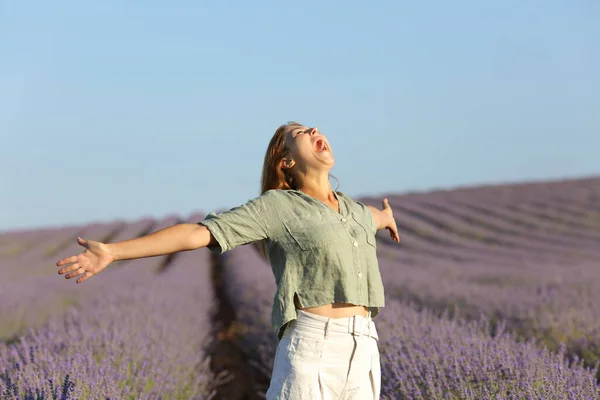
128,109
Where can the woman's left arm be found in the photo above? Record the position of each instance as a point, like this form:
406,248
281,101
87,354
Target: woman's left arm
385,219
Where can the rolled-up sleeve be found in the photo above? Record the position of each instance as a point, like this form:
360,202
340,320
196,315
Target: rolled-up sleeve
240,225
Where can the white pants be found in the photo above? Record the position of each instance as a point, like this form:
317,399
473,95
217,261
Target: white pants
320,358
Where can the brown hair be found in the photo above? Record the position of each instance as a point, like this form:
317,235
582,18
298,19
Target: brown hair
273,176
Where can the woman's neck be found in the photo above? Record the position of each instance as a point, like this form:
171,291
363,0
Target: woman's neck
320,190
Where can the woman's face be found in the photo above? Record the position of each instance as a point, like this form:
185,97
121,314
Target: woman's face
308,148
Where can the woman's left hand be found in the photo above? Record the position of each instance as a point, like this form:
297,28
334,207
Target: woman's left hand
390,222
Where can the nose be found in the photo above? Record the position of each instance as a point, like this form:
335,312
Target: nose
314,131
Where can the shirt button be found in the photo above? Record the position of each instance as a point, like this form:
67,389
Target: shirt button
343,219
360,274
355,244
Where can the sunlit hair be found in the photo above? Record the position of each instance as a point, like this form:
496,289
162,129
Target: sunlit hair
273,176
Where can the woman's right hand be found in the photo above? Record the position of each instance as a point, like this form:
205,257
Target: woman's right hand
92,260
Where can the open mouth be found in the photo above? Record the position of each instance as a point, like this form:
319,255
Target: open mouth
320,145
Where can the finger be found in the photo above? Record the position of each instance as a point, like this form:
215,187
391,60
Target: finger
385,203
82,242
70,268
394,235
85,277
79,271
67,260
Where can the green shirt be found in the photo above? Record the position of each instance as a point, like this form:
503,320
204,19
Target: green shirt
315,252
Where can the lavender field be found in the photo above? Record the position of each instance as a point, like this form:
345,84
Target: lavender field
491,294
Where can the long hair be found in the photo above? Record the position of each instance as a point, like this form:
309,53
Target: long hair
273,176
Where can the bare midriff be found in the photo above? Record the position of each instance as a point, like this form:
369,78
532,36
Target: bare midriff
335,310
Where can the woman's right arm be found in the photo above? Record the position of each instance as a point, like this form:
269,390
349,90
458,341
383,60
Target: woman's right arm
98,255
180,237
218,232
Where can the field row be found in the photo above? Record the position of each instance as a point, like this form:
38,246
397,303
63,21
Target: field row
524,255
137,330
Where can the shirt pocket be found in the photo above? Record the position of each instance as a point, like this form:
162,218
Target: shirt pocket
366,227
311,232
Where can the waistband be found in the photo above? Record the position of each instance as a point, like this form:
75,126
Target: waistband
356,325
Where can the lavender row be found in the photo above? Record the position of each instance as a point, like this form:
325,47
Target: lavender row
519,216
135,333
466,243
572,207
550,302
451,228
476,231
427,357
29,281
555,215
550,296
142,337
502,222
250,287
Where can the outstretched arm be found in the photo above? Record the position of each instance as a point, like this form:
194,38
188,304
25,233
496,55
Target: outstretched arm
179,237
97,255
385,219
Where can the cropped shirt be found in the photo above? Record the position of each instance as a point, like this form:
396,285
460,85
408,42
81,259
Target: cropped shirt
320,255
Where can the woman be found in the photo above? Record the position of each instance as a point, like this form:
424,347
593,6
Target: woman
321,246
